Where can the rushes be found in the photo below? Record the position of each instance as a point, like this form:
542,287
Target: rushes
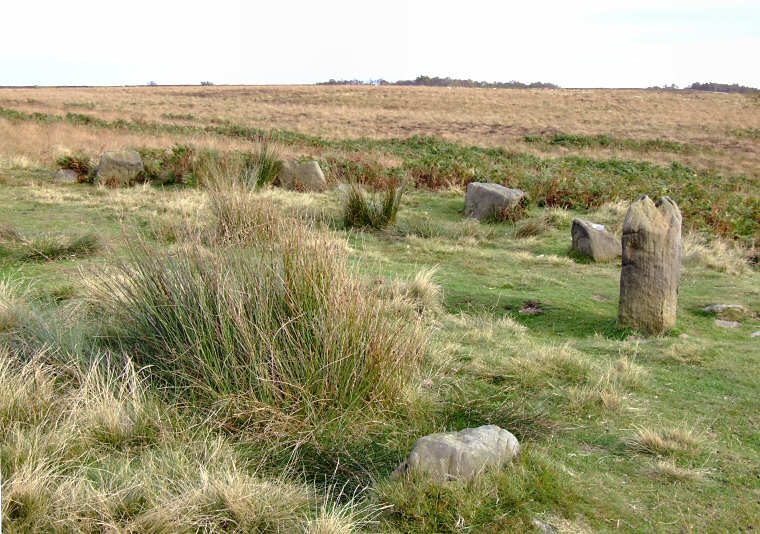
361,210
283,322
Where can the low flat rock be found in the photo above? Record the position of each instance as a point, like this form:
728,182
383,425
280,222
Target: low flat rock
485,200
460,455
727,324
755,334
307,176
720,308
594,241
65,176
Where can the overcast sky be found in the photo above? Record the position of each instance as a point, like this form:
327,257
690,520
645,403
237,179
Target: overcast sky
573,43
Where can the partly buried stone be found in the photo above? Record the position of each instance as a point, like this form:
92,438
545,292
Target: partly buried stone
484,201
118,167
651,270
65,176
460,455
307,176
593,240
727,324
720,308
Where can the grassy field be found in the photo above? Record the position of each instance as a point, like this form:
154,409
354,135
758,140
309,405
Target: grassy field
194,355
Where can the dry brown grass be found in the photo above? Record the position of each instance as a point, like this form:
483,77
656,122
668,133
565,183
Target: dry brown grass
668,470
671,441
474,116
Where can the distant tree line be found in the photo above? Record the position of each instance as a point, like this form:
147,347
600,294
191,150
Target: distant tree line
435,81
722,88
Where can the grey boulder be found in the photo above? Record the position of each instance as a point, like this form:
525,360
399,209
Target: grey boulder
65,176
307,176
118,167
594,241
484,200
460,455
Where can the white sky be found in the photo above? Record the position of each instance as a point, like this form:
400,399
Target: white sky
573,43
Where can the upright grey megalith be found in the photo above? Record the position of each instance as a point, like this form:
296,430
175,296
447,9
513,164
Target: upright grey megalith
651,269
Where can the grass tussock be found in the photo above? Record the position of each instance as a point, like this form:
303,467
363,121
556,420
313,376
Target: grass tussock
255,168
549,219
418,295
284,323
17,246
669,471
664,441
238,216
362,210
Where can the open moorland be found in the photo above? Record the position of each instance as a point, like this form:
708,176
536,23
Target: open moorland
201,351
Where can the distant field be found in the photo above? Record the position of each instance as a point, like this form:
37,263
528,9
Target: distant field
719,126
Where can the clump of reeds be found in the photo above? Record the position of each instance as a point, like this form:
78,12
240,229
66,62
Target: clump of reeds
283,322
364,210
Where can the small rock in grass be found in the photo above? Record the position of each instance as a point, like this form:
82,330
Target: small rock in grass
65,176
727,324
720,308
755,334
460,455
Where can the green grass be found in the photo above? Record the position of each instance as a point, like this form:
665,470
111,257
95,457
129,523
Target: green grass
608,141
253,374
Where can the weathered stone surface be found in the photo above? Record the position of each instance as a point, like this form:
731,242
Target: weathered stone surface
593,240
306,176
461,455
720,308
727,324
118,167
755,334
483,200
651,270
65,176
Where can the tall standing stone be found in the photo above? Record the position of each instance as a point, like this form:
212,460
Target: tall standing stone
651,266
